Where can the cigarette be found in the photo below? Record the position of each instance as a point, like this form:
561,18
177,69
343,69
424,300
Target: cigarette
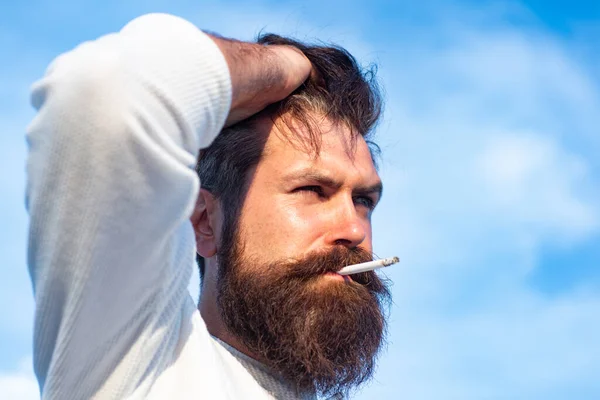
368,266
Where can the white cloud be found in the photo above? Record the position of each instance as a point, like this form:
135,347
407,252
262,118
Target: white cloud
524,349
493,132
531,181
482,159
19,384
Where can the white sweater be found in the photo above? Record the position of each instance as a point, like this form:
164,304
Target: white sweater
110,190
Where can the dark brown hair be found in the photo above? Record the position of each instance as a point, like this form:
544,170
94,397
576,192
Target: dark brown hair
340,91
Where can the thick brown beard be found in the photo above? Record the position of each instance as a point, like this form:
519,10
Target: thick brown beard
322,335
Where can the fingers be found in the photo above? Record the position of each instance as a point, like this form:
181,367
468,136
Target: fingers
296,68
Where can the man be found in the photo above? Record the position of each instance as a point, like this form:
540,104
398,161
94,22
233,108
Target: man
117,215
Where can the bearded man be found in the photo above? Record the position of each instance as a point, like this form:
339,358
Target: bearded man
281,199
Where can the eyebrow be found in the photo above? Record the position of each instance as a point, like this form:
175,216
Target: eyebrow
328,181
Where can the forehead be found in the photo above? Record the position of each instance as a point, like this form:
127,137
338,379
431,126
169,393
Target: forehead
287,148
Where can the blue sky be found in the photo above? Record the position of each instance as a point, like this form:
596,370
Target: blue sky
491,139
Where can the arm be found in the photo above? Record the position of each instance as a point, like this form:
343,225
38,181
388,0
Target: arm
110,188
256,84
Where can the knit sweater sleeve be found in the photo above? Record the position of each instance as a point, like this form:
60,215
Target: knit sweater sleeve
110,188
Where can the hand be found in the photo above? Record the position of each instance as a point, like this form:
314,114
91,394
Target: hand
261,75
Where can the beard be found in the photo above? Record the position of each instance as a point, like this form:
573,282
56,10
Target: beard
320,334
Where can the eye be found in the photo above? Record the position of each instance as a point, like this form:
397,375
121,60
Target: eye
312,188
365,201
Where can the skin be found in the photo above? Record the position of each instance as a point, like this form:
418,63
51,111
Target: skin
260,75
296,204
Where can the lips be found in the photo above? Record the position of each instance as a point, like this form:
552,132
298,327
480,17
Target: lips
335,275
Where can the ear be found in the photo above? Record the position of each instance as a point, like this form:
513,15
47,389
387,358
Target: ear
203,220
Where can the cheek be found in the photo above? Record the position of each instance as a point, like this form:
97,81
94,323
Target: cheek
274,228
368,242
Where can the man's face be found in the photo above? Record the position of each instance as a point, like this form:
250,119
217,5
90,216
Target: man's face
304,217
298,204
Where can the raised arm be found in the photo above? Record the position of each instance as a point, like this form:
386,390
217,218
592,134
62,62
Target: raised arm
111,186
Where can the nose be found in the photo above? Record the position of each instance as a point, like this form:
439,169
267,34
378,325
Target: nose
347,228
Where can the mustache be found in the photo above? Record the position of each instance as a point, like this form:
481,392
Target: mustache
322,262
